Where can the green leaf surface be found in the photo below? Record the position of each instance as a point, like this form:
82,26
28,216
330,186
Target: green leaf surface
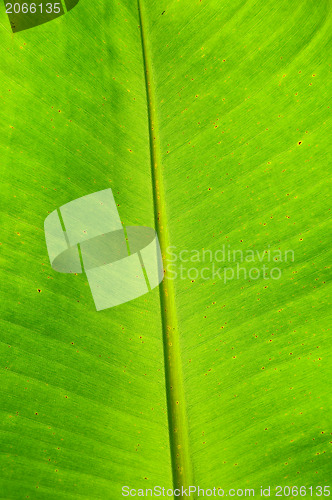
209,121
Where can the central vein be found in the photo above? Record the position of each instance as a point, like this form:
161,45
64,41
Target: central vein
177,419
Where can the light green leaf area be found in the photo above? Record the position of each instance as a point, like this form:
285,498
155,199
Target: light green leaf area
228,150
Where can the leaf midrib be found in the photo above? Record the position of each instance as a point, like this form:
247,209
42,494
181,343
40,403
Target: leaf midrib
176,407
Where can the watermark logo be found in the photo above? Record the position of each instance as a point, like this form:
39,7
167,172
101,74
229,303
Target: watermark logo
25,14
86,235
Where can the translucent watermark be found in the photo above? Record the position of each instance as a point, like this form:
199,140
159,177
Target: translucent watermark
26,14
225,263
121,263
198,492
183,492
